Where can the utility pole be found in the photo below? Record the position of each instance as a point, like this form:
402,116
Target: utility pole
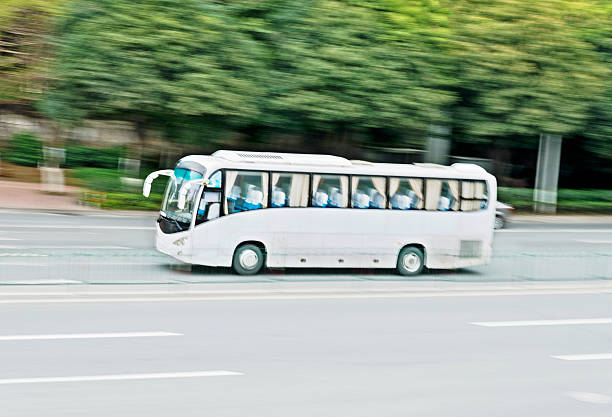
438,144
547,174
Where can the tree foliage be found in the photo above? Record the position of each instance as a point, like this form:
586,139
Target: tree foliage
496,70
151,61
523,68
25,53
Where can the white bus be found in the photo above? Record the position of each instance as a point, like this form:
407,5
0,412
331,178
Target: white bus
251,210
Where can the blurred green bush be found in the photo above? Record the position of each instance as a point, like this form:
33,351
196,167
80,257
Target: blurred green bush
575,201
87,156
105,189
124,201
24,149
99,179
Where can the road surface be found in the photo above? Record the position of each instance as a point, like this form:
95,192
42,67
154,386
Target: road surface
51,248
358,349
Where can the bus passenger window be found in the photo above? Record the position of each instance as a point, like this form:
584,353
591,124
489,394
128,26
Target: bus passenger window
442,195
406,193
473,195
329,190
368,192
289,190
208,197
245,190
215,180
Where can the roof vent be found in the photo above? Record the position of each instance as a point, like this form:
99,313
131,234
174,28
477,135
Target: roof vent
282,158
265,156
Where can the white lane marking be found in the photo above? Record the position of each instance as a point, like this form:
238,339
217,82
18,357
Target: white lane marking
589,397
594,241
72,226
298,297
62,247
8,238
520,323
119,377
86,336
41,281
584,357
554,231
11,254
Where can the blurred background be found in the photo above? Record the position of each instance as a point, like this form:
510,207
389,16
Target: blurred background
96,94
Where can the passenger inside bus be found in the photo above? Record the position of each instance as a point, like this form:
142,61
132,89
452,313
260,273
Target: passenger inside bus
320,199
279,198
335,197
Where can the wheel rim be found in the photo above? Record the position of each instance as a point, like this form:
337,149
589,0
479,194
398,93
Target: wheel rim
411,262
248,259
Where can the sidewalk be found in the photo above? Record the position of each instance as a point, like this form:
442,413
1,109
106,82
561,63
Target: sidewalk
562,218
31,197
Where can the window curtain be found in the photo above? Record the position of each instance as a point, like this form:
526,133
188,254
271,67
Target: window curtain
432,194
275,178
298,194
344,189
379,185
417,186
454,189
479,191
467,189
393,187
230,179
316,181
354,184
264,189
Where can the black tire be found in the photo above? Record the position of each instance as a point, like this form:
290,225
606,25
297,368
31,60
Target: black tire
410,261
248,260
500,223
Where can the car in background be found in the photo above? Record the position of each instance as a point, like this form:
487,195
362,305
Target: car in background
502,214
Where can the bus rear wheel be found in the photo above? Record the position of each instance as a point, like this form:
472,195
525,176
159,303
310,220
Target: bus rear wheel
248,260
410,261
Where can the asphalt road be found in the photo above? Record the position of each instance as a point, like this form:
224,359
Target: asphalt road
307,349
51,248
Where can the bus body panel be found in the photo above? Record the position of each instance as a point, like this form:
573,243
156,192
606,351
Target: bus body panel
314,237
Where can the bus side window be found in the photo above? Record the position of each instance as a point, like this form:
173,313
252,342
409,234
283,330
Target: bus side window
289,190
406,193
215,180
473,195
442,195
208,197
330,190
368,192
245,190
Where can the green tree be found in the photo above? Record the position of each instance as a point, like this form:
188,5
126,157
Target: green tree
154,62
524,68
342,66
25,53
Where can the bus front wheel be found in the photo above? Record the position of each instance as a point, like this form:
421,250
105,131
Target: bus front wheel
410,261
248,260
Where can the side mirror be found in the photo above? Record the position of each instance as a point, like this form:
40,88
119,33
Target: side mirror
213,211
185,189
146,187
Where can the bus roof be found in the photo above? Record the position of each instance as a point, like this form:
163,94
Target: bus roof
295,162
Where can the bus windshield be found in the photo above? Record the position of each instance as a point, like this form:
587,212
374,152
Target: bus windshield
170,204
